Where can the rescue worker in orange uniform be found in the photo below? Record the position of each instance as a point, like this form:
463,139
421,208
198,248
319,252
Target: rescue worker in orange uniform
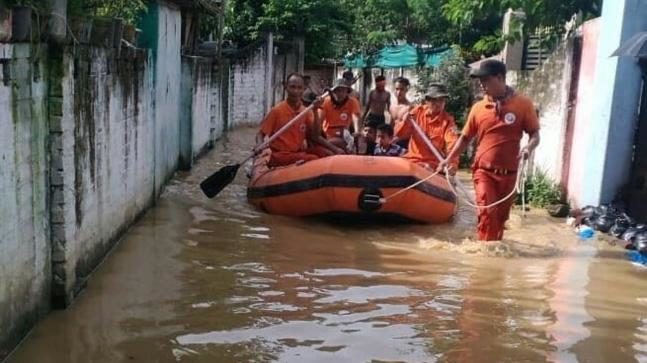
339,112
437,124
290,147
498,123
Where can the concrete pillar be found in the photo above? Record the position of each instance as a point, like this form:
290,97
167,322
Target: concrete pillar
616,97
269,75
301,53
512,54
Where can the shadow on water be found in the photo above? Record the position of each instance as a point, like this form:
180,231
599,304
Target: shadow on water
216,281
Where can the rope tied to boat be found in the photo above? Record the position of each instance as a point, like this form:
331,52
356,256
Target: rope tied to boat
519,187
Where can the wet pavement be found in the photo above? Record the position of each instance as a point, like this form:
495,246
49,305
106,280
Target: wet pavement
200,280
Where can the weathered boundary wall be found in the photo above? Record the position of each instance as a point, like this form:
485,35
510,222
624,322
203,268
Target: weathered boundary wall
90,137
248,87
550,89
25,267
256,78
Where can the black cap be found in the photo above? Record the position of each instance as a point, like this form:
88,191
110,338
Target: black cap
437,90
348,75
308,97
490,67
341,83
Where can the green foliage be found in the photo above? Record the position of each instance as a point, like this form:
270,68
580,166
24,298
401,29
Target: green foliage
541,191
380,22
539,14
323,23
39,5
128,10
334,27
453,73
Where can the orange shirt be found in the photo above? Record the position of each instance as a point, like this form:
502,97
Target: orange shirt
292,139
440,129
338,117
498,134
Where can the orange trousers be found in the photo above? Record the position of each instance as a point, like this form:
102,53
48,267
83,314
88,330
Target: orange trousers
490,188
282,158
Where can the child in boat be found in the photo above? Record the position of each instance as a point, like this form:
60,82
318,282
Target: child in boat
385,145
290,147
365,145
339,112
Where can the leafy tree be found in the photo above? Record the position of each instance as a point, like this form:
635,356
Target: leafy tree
321,22
539,14
129,10
453,73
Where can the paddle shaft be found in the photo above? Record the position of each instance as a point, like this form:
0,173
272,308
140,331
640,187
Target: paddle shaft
426,140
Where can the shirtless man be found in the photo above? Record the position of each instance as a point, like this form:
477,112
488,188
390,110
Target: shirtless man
379,100
401,108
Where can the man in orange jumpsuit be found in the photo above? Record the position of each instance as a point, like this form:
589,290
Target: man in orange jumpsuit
498,123
338,113
437,124
290,147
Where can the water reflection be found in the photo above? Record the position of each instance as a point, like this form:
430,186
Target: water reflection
216,281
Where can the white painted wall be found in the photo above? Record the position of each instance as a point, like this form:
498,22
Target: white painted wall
168,73
247,93
25,272
203,120
108,176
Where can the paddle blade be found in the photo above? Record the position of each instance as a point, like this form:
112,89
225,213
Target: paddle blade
219,180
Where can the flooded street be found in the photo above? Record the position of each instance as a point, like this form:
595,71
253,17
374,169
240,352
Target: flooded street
200,280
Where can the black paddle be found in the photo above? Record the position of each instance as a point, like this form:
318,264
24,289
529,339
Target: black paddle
223,177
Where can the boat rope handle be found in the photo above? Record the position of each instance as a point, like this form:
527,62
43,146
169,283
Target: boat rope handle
384,200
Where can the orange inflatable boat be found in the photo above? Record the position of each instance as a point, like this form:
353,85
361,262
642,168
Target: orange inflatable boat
351,184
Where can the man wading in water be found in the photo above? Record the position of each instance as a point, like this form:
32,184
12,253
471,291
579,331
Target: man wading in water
498,123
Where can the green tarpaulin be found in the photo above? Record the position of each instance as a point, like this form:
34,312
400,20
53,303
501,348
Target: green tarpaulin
399,56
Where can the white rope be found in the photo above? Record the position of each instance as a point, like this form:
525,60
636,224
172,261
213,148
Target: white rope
519,187
384,200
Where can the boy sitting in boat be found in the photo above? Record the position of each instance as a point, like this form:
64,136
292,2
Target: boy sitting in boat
290,147
339,112
385,145
437,125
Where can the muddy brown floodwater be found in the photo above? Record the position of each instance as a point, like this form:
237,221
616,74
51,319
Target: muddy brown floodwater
200,280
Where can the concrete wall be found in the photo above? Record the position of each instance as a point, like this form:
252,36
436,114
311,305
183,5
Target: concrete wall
25,272
584,104
614,115
89,138
549,87
104,160
201,116
247,88
166,84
